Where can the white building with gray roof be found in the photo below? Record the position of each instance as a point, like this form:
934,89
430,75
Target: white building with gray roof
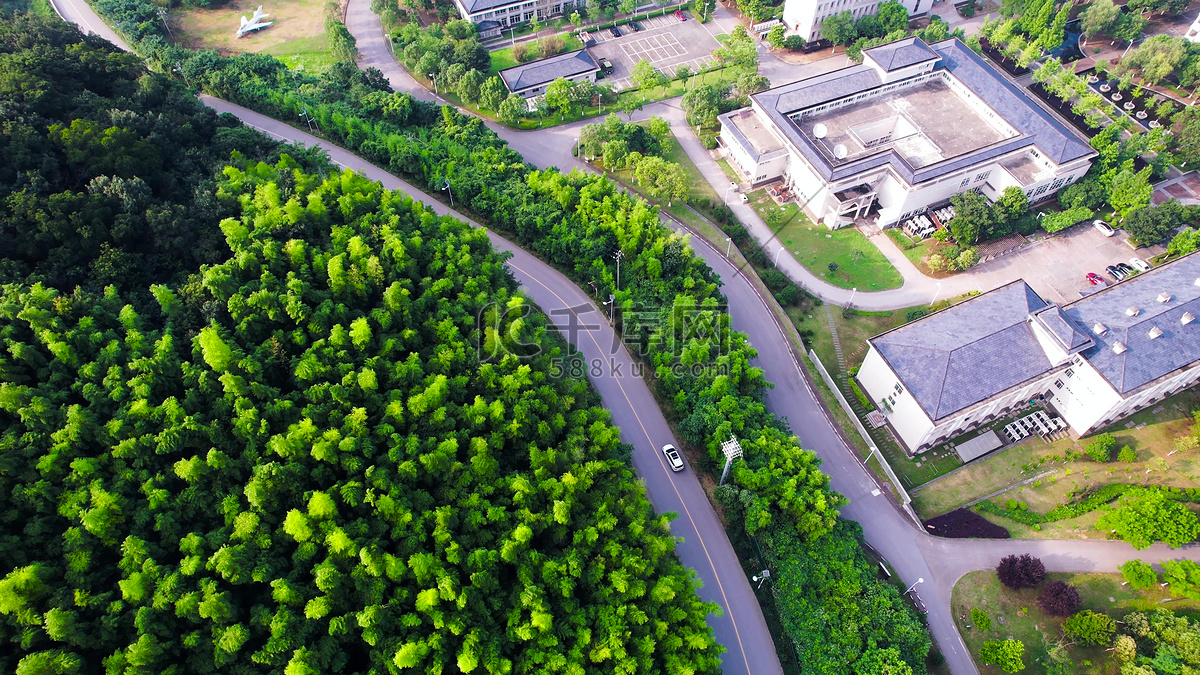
1093,361
910,127
508,13
531,79
804,17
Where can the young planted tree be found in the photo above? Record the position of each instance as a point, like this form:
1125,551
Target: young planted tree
1004,654
1023,571
1101,449
839,29
1091,628
1059,598
1139,575
1099,17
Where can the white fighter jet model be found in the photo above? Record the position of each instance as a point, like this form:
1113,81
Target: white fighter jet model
254,23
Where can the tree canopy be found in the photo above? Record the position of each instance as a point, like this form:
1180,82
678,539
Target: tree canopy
1145,515
352,467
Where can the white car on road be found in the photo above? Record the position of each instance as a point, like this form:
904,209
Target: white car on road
1139,264
673,457
1104,228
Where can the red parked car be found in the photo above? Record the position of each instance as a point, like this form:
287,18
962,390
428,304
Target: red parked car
1095,279
680,15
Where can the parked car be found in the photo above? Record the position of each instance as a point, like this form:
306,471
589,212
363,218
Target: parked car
1126,269
616,32
673,457
1094,279
606,66
1115,273
1104,228
680,15
1139,264
637,27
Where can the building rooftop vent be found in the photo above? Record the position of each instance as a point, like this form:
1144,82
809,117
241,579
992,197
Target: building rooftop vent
1155,332
1164,297
1099,328
1197,282
820,130
1119,347
840,151
1132,311
1186,318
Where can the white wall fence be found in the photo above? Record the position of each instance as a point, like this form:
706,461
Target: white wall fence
905,500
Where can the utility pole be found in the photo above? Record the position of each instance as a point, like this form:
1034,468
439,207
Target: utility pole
179,69
617,256
162,14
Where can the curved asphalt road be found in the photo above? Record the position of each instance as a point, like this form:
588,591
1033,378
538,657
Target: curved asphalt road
913,553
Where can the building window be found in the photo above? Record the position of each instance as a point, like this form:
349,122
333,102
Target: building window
1058,384
965,182
1070,373
983,176
899,389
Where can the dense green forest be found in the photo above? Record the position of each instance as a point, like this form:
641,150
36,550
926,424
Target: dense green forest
326,479
108,171
577,222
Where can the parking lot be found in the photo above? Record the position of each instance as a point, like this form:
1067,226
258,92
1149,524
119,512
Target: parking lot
664,41
1057,266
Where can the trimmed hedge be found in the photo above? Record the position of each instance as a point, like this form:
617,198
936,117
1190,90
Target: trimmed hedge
964,524
862,398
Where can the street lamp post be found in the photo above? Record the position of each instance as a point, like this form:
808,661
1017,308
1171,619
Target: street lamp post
919,581
936,293
179,69
612,303
446,187
434,81
728,245
776,261
852,292
732,185
761,577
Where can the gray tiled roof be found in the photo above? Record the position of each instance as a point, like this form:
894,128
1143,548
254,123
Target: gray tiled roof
1144,359
955,358
545,71
901,53
1035,125
1070,335
476,6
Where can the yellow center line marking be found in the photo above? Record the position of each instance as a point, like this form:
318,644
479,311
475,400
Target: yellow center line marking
737,634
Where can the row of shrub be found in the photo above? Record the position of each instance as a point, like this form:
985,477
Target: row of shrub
1088,502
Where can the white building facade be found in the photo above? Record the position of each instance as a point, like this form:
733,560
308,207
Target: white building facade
509,12
804,17
909,128
1092,361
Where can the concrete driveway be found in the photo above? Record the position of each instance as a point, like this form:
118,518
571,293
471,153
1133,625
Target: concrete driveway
664,41
1057,266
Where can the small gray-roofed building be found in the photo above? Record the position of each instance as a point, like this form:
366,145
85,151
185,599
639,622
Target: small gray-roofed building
979,446
531,79
901,54
749,130
488,29
965,354
1144,359
1069,335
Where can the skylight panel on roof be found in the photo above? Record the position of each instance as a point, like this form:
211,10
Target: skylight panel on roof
1132,311
1119,347
1099,328
1155,332
1186,318
1164,297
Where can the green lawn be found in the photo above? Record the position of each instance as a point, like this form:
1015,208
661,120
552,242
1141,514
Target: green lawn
915,251
311,53
1016,614
1148,432
859,263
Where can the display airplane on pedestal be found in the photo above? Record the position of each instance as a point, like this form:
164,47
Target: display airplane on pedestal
254,23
